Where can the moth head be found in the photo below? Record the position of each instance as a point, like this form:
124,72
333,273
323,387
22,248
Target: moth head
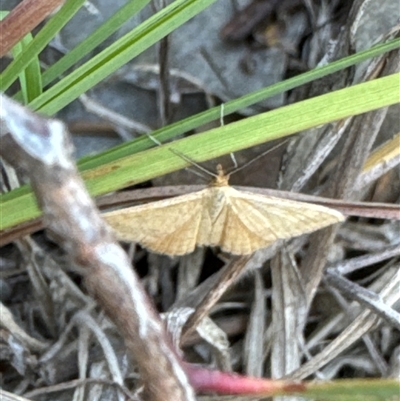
220,179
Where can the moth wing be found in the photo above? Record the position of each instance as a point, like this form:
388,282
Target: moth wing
169,226
255,221
235,236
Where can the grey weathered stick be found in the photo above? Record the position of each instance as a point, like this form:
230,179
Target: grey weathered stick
358,145
42,148
366,321
229,274
6,396
350,265
364,296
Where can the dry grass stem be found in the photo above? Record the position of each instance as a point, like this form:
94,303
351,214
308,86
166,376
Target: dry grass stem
74,221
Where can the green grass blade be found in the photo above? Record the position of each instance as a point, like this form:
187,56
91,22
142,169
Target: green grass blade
182,126
30,78
93,40
232,106
41,40
353,390
19,206
249,132
118,54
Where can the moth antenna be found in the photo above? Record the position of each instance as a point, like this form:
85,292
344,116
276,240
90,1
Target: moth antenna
191,161
258,157
203,177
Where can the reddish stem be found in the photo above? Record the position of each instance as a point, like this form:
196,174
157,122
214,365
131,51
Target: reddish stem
205,380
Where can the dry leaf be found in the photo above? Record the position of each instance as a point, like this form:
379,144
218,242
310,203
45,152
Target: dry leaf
238,222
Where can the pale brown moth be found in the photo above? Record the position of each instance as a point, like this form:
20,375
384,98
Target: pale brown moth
239,222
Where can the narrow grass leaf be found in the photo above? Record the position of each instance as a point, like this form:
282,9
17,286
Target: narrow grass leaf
19,205
180,127
118,54
122,15
46,34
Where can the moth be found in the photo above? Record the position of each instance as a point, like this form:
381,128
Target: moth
239,222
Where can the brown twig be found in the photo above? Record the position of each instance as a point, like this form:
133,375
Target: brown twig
43,149
230,273
349,208
26,16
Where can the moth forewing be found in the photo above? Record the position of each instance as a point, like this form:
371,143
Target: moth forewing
283,218
239,222
167,226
